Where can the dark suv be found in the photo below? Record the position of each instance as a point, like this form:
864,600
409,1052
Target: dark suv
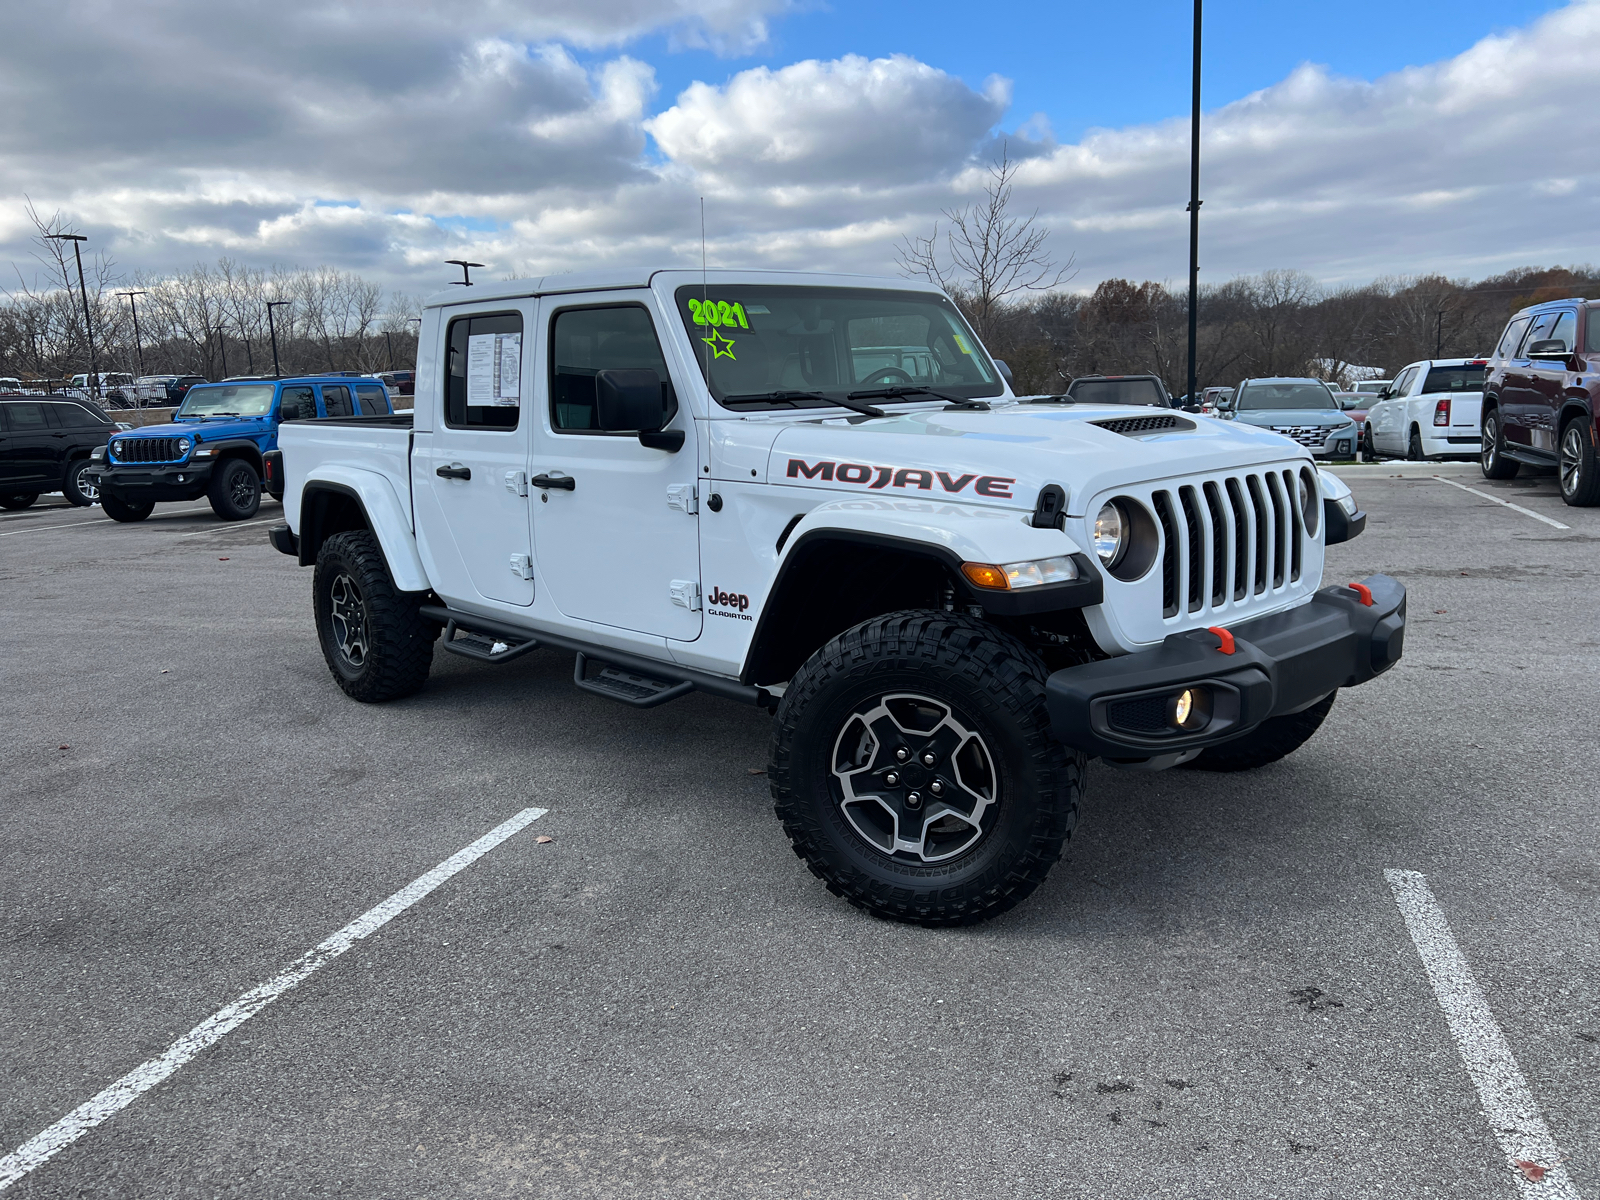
1541,393
45,446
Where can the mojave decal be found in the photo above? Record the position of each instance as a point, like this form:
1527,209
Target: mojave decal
994,487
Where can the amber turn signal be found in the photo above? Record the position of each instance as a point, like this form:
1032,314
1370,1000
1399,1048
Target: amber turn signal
986,575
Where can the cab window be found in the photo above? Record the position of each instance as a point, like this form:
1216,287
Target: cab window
373,401
336,400
586,341
483,372
298,404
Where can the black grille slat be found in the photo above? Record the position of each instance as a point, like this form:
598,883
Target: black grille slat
1169,553
1241,540
1258,508
1280,539
1219,545
1297,524
1132,425
1197,553
148,450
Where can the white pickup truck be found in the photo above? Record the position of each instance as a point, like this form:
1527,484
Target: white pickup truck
818,494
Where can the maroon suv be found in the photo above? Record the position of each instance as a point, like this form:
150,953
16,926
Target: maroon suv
1541,392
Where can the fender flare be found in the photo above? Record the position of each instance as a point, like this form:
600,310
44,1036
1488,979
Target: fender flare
384,514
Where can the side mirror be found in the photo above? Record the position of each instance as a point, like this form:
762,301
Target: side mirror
628,400
1547,348
1005,371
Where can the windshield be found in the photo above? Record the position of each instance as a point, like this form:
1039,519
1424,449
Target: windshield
1374,386
1117,391
234,399
1284,395
753,341
1453,379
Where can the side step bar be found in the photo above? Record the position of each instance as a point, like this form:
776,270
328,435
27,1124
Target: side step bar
641,682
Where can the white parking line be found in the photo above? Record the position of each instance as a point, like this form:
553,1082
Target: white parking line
225,526
57,525
36,1151
1512,1111
1496,499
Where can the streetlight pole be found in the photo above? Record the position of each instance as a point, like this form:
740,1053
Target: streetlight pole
389,341
88,327
1438,333
222,344
277,372
138,341
1194,210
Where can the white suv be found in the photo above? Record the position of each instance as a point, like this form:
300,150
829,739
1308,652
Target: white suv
1430,411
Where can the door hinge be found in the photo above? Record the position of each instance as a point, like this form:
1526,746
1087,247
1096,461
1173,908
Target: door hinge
522,566
682,497
686,594
517,483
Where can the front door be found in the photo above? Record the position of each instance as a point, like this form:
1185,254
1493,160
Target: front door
1547,385
467,473
1517,395
615,528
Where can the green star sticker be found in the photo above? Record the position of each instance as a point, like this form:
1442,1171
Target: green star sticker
721,347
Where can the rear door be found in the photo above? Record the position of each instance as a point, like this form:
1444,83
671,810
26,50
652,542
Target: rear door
469,472
30,447
620,546
1388,415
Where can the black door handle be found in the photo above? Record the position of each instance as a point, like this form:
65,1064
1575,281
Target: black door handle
562,483
453,472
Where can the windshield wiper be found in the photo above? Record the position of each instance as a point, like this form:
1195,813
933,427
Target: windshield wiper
849,401
218,414
897,393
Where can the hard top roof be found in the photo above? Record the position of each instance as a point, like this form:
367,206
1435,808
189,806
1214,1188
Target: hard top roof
616,278
325,377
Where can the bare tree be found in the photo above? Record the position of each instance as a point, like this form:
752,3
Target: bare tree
987,255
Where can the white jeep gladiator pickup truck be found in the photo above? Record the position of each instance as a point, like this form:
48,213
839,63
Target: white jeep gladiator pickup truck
818,494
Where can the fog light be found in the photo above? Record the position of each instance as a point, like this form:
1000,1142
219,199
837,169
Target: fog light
1190,709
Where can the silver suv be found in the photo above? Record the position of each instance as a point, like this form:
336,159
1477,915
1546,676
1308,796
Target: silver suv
1303,410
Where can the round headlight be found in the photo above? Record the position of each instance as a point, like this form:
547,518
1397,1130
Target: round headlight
183,448
1110,534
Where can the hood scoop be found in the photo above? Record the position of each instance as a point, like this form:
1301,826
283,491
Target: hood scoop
1134,426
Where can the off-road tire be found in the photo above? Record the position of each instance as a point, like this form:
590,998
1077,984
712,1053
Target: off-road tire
14,501
1578,471
396,642
1492,460
1414,447
125,513
1267,743
73,486
995,687
235,490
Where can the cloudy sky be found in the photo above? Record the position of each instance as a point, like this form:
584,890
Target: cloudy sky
537,136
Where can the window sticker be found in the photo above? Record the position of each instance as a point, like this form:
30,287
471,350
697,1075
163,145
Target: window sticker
721,346
494,370
961,343
718,313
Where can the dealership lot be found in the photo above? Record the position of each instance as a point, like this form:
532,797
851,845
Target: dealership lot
1215,994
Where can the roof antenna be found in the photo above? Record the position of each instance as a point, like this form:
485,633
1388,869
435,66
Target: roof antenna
704,287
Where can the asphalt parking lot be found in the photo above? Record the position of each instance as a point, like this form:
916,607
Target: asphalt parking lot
1214,994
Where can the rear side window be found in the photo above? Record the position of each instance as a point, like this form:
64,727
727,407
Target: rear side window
74,416
1453,379
372,400
298,404
1510,338
336,400
586,341
483,372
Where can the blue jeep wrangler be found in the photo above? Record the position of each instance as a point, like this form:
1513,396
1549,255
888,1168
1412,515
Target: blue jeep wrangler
218,440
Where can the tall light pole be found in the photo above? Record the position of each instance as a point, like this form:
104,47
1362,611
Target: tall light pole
466,275
222,344
1194,210
88,327
277,372
138,342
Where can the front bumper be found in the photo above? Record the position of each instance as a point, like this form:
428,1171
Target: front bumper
1281,663
164,481
1342,444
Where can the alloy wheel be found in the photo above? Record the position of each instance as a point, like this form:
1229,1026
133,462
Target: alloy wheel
1571,459
348,614
1491,444
242,489
88,490
914,781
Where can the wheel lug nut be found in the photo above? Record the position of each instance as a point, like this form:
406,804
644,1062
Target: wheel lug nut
936,788
891,779
913,799
928,759
902,754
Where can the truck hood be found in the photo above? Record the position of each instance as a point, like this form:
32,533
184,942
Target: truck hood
1003,457
215,429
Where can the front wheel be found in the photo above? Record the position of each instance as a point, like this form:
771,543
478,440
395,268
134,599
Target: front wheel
77,488
1492,458
373,635
1580,474
1267,743
914,769
14,501
235,491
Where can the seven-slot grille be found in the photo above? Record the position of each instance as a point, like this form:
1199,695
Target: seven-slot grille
1132,425
1306,435
1230,539
146,450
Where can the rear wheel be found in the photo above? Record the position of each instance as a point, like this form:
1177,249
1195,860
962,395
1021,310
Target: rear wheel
76,488
914,769
1580,475
235,491
1414,447
1267,743
373,635
17,500
1492,457
126,513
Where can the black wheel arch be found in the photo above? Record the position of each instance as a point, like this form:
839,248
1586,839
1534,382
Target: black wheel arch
326,509
1575,408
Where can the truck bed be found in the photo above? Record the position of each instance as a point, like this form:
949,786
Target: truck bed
356,453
